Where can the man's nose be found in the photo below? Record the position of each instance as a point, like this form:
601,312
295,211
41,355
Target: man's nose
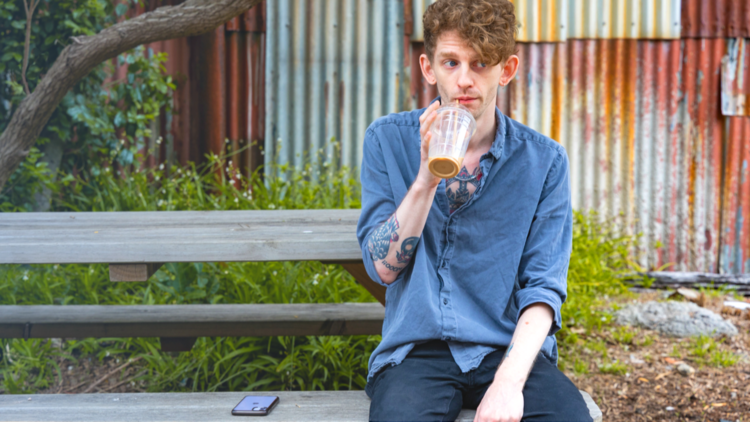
465,79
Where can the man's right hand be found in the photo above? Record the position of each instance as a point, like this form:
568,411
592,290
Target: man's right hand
425,177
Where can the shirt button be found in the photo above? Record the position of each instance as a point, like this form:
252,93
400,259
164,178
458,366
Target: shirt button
445,301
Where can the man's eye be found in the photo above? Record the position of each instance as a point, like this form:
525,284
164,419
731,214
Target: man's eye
451,63
481,64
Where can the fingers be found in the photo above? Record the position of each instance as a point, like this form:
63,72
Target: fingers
425,124
426,142
432,107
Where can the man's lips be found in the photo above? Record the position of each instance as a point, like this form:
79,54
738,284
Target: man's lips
465,100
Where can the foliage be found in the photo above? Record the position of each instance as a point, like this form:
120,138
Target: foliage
707,351
97,118
601,256
214,364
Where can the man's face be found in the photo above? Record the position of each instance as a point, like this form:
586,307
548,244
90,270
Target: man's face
460,75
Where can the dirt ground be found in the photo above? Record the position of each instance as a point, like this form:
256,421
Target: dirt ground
651,390
655,391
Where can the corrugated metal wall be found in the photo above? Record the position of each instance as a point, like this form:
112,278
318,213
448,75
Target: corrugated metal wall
715,18
333,67
643,129
558,20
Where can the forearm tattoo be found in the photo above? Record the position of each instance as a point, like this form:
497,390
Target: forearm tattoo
380,241
407,250
391,267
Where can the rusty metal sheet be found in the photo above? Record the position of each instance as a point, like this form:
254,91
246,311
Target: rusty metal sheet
735,242
333,67
559,20
735,79
715,19
640,121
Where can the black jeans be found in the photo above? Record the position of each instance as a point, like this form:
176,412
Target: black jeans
429,386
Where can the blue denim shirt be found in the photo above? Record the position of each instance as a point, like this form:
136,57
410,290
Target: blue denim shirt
475,270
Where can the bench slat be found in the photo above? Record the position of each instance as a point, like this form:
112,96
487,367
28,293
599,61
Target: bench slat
178,236
203,407
69,321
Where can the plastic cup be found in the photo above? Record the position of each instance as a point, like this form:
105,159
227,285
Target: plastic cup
451,132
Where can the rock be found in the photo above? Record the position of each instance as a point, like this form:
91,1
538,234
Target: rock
676,319
685,369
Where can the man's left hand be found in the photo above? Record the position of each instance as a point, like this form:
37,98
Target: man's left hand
501,403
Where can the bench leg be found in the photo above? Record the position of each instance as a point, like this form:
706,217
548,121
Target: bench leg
132,272
357,270
177,344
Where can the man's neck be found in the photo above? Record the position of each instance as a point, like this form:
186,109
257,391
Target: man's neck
485,135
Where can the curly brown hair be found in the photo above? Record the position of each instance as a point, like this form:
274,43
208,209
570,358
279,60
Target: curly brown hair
489,26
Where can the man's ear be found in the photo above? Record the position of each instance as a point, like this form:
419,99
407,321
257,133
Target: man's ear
427,71
510,68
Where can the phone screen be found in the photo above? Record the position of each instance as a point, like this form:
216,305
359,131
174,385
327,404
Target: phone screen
255,405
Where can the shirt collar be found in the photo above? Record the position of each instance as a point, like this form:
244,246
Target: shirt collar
497,144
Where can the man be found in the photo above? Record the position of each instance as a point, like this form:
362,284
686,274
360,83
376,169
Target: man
475,266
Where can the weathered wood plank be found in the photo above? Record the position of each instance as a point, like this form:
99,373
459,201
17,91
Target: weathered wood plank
132,272
204,407
179,236
78,321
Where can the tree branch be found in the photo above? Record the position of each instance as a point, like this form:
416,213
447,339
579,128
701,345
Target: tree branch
193,17
27,42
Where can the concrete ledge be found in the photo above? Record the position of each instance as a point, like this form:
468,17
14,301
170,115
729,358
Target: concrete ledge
198,407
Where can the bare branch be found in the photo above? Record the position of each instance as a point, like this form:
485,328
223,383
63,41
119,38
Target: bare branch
193,17
27,42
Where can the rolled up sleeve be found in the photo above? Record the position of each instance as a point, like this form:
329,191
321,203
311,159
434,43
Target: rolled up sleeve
543,268
377,199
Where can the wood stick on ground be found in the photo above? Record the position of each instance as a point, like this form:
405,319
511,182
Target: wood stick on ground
110,373
125,381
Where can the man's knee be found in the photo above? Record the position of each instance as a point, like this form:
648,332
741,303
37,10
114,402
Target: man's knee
399,394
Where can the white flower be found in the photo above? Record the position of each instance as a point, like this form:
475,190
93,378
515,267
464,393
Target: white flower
271,206
132,179
161,166
160,203
236,200
231,181
164,191
26,275
158,141
230,162
274,273
122,142
187,173
107,354
315,282
106,169
157,178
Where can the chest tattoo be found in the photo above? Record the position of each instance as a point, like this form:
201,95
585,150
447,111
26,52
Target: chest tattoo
457,188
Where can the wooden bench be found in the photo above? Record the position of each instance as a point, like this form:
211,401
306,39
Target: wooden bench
198,407
135,245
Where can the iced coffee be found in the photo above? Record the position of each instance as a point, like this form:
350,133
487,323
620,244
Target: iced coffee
451,132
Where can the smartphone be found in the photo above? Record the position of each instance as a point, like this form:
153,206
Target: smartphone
255,406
